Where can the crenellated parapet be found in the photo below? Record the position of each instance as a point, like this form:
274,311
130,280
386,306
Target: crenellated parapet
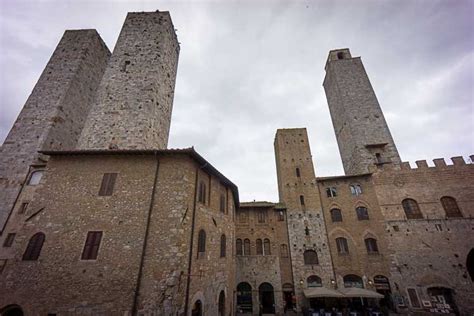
439,164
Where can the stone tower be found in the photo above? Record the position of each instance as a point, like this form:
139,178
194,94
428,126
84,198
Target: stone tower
55,112
135,97
361,130
298,190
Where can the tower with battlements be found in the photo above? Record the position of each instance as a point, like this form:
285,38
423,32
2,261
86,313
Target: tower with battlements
362,133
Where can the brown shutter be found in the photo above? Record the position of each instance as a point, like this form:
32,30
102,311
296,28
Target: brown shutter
91,248
108,183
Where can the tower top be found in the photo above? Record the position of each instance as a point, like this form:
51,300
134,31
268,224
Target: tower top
338,54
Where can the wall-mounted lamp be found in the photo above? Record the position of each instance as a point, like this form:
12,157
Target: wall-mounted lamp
333,281
371,282
301,282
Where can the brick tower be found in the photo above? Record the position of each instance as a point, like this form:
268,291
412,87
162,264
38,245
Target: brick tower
55,112
298,190
361,130
135,97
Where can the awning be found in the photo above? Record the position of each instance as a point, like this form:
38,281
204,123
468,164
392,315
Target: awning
358,292
321,292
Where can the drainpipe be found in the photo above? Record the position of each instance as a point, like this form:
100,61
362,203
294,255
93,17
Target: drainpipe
190,256
145,239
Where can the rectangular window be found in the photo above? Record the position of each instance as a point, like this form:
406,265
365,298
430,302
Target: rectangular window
223,204
281,216
3,263
261,216
9,240
396,228
302,200
91,248
23,208
107,185
331,192
413,296
298,174
243,216
439,227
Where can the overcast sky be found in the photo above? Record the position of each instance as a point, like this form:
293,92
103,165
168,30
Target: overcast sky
249,68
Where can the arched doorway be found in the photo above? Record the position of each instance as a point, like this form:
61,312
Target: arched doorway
442,295
244,298
221,309
288,295
470,264
382,286
197,309
11,310
267,298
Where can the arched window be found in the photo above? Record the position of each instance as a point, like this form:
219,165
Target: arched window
202,241
247,247
451,207
362,213
356,189
371,245
33,249
238,245
336,215
284,250
223,245
341,244
266,247
35,177
411,208
202,192
259,247
314,281
221,304
352,280
310,257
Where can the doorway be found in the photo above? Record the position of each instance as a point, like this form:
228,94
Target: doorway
267,298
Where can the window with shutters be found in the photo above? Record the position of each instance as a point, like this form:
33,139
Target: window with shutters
261,216
356,189
266,247
281,216
202,192
341,244
247,247
201,241
451,207
223,203
362,213
107,185
35,177
91,247
33,249
259,247
310,257
336,215
238,245
8,242
331,192
371,245
411,208
223,246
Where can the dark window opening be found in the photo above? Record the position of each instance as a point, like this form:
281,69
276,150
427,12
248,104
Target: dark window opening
247,247
371,245
342,246
336,215
239,247
302,200
33,249
314,281
411,208
107,185
310,257
340,55
451,207
23,208
223,246
202,192
266,247
362,213
331,192
91,247
201,241
223,204
259,247
306,231
298,172
8,242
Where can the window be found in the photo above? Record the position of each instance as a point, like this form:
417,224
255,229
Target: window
243,216
314,281
33,249
302,200
451,207
413,296
341,244
411,208
340,55
310,257
3,263
352,280
298,174
91,247
238,244
35,177
23,208
306,231
378,158
362,213
281,216
259,247
371,245
223,204
284,250
261,216
439,227
396,228
356,189
201,241
266,247
247,247
107,185
8,242
336,215
223,246
202,192
331,192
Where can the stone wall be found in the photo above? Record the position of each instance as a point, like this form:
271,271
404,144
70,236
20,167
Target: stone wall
54,114
135,97
358,121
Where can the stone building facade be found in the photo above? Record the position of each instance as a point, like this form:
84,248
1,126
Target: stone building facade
100,218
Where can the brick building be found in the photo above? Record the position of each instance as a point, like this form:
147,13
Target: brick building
98,217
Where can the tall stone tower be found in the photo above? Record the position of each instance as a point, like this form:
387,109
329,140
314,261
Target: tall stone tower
361,130
135,97
298,190
54,113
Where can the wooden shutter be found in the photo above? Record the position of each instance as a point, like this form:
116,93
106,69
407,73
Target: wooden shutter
107,185
91,248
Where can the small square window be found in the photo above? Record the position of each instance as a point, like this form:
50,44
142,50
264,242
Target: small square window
331,192
396,228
